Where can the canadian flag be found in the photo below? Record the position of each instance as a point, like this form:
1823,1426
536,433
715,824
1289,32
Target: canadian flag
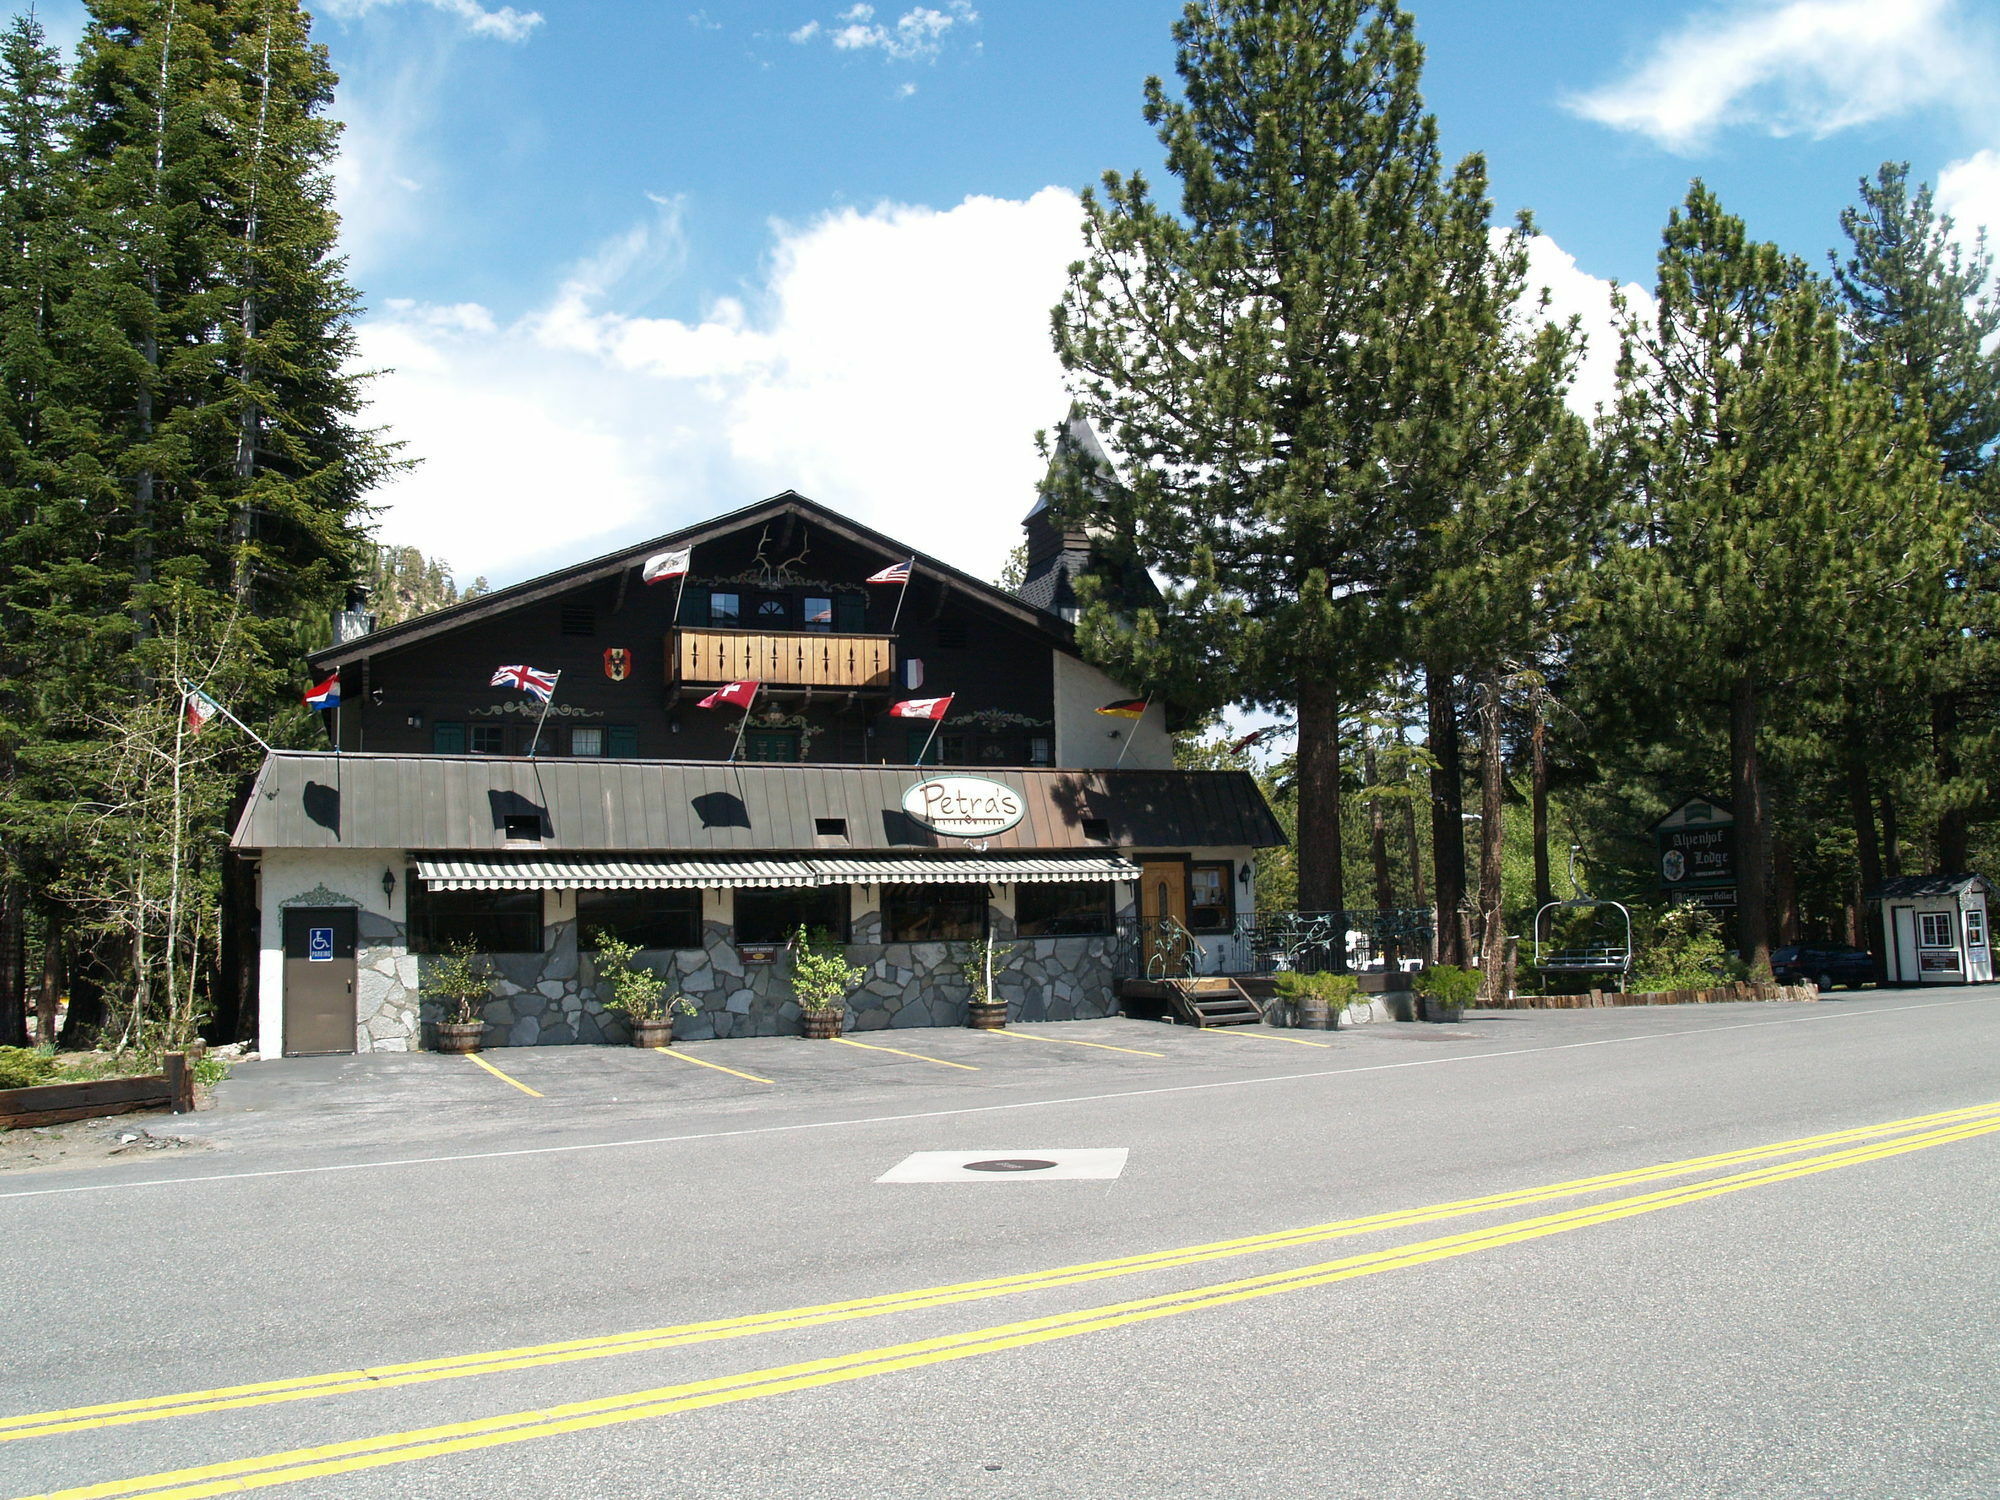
921,708
739,693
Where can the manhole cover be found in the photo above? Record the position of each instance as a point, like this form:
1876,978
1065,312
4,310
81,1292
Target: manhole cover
1010,1164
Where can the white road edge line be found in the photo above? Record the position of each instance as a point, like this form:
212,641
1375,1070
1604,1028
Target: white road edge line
975,1109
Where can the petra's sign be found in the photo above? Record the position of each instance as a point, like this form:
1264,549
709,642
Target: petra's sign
966,807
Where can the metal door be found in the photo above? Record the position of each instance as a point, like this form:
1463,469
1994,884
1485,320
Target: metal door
319,980
1164,941
1903,967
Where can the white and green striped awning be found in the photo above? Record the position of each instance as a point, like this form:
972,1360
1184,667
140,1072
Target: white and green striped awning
585,873
888,870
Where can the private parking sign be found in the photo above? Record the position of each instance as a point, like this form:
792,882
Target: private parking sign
319,944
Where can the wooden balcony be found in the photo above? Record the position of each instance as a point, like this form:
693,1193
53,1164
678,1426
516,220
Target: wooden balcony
790,658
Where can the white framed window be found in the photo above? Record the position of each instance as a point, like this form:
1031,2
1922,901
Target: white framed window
584,741
1934,930
1975,927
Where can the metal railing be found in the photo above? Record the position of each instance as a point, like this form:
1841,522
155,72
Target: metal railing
1306,942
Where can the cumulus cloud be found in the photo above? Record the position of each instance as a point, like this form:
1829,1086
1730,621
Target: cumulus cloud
894,363
504,23
1573,292
1807,67
918,35
1969,191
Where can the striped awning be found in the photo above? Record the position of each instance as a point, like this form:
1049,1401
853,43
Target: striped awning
499,873
891,871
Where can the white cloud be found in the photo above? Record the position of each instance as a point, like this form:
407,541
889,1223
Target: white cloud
918,35
504,23
1803,67
1573,291
1969,191
895,365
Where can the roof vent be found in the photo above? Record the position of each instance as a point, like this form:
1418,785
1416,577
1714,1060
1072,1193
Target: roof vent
1097,828
830,833
522,828
952,635
579,619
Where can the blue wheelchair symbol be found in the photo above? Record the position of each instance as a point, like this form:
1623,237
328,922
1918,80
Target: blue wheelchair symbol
319,944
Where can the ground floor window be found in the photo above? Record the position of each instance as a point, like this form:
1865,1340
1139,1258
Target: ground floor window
1934,930
773,916
933,913
1211,903
1975,927
646,919
491,921
1066,908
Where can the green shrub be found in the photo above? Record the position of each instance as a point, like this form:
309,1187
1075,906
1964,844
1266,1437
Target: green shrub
822,978
24,1067
460,979
1338,991
635,993
1448,984
209,1071
1684,951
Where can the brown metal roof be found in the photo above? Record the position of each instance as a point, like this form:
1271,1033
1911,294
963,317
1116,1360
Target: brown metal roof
443,803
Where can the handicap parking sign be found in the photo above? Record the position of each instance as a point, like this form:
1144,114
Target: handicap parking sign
319,944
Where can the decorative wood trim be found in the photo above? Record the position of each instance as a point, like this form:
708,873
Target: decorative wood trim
319,895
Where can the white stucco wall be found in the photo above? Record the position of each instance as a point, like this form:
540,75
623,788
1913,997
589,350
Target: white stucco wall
335,877
1084,736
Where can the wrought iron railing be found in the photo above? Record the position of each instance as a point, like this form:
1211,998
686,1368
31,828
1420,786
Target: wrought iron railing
1267,942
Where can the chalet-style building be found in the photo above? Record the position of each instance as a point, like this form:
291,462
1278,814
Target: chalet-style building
448,808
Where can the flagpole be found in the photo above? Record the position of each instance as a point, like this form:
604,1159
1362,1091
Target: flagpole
535,743
188,689
936,724
1133,731
744,724
901,595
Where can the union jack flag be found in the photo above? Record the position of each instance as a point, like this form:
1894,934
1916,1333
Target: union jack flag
900,573
530,680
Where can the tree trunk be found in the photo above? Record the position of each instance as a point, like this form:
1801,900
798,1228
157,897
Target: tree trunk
49,1001
1492,834
1447,805
1539,803
1863,931
13,964
1419,895
1784,888
1378,831
1954,835
1753,851
1322,880
86,1011
1892,846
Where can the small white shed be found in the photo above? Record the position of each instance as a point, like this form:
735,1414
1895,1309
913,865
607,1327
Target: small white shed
1935,929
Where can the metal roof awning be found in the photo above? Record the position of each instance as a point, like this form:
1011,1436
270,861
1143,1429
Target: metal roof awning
891,871
501,874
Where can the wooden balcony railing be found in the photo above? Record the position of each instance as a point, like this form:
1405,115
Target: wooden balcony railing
791,658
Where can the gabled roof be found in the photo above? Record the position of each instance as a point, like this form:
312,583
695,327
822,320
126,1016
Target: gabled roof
563,580
1907,887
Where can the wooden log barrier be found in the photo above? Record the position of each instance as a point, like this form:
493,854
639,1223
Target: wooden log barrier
1719,995
60,1103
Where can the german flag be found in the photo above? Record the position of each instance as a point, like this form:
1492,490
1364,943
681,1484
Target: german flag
1126,708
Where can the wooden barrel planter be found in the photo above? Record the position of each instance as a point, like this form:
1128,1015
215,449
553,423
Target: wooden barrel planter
989,1015
460,1036
1314,1013
822,1025
653,1033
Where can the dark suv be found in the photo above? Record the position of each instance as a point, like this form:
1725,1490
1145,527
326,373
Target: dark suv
1825,964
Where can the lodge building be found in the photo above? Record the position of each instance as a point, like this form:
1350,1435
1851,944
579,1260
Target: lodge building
447,808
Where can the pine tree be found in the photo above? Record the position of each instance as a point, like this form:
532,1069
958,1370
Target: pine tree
1780,523
1282,364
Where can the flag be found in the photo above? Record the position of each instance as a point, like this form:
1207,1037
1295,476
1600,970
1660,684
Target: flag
1126,708
530,680
1254,737
666,565
900,573
921,708
200,709
913,673
739,693
326,695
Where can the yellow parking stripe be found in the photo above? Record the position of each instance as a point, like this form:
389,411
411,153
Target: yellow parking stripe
1070,1041
705,1063
238,1475
1258,1036
380,1377
475,1057
870,1046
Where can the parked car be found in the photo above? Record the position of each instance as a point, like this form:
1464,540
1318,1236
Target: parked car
1825,964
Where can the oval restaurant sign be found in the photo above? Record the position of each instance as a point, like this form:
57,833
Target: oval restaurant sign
966,807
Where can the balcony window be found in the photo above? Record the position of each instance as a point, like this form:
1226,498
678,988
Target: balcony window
773,612
818,613
486,739
725,610
584,741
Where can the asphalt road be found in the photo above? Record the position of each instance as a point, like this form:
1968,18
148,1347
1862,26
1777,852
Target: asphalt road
1579,1271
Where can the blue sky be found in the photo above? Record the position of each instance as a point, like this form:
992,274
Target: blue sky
630,264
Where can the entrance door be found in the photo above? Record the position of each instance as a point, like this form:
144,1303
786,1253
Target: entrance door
1164,947
319,980
1903,945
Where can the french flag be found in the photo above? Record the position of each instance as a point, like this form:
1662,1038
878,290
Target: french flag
326,695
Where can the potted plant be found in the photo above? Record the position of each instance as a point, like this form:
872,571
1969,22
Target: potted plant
982,1011
639,995
822,979
460,980
1444,990
1318,1001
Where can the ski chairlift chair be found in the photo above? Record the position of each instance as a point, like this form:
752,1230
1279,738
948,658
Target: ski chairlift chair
1605,949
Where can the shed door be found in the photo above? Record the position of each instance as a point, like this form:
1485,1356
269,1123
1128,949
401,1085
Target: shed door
319,980
1903,945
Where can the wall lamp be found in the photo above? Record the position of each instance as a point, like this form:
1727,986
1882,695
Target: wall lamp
389,885
1243,877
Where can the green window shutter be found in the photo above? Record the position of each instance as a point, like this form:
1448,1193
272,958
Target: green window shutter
916,743
621,741
694,606
850,614
447,739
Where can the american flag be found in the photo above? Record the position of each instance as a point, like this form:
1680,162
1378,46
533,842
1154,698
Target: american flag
530,680
900,573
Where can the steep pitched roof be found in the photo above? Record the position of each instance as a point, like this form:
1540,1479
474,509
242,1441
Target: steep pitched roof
563,580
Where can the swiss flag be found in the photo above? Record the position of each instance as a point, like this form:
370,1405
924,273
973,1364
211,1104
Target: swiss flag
921,708
739,693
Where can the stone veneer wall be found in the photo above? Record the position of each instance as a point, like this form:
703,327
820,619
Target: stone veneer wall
546,998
